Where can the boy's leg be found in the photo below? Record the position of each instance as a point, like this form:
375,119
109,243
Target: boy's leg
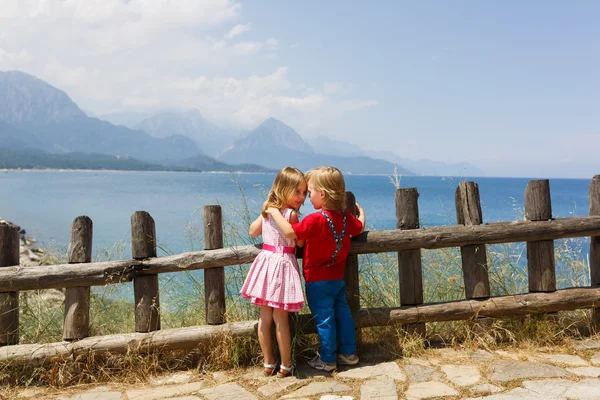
346,329
320,297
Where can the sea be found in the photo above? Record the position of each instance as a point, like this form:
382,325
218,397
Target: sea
45,202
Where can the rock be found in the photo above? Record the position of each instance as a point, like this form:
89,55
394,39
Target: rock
485,388
424,390
566,359
317,388
389,369
589,344
504,371
228,391
420,373
462,375
590,372
379,389
168,379
161,392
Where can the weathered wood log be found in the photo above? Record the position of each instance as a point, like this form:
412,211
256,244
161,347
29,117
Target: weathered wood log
456,236
77,299
409,261
474,257
521,304
9,301
594,201
162,340
351,274
540,253
351,270
190,337
102,273
214,278
145,288
143,235
410,271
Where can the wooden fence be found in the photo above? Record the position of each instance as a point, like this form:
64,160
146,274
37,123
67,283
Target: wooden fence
538,229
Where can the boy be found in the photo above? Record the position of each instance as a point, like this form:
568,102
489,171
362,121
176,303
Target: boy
327,234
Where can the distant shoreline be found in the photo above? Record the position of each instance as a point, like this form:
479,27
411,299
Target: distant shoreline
6,170
156,171
123,170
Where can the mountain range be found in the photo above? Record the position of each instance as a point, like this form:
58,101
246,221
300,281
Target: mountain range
36,115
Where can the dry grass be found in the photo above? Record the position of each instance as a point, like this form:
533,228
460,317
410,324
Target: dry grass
182,304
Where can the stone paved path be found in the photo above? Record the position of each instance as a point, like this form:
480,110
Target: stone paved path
439,374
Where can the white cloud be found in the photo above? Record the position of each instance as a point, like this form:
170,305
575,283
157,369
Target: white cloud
238,30
335,88
110,55
247,48
271,44
205,12
17,60
140,102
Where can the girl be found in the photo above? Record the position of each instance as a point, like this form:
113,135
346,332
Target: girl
273,282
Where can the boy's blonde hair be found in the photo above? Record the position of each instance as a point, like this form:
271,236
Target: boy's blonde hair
284,185
331,181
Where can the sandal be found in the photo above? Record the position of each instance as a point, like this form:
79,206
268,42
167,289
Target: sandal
284,371
269,369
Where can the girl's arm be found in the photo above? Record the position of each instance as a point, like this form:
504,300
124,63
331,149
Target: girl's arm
294,220
256,227
284,226
361,217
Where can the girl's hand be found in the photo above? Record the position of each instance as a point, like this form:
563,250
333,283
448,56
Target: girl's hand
358,210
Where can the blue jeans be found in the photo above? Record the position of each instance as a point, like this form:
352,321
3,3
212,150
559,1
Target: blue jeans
328,305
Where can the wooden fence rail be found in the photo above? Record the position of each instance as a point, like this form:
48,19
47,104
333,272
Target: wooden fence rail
109,272
539,230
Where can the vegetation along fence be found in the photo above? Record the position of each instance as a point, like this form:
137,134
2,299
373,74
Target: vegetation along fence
538,229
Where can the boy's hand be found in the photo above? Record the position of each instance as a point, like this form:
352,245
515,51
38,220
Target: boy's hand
271,210
358,210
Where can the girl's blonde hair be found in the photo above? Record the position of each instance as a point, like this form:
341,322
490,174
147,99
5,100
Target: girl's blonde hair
284,185
331,181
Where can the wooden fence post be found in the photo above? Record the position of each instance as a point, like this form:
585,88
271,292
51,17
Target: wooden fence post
77,299
351,272
594,200
474,258
409,261
9,301
145,288
540,254
214,278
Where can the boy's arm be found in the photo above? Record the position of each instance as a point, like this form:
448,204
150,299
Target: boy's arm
361,217
284,226
256,227
294,220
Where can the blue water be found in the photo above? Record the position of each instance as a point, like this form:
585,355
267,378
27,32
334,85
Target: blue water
46,202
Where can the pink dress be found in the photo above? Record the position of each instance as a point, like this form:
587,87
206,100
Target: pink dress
273,279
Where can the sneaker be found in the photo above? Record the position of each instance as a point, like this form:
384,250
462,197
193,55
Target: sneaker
319,364
347,359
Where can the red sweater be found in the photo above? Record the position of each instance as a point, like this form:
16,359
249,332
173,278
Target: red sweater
320,244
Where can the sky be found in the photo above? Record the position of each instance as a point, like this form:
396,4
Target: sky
510,86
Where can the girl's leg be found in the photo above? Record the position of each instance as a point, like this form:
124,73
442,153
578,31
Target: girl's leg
265,320
282,331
